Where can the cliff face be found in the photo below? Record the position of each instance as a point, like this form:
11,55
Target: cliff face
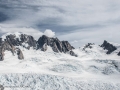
56,44
109,47
11,42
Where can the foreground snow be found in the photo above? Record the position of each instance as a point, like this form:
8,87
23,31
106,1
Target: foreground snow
53,82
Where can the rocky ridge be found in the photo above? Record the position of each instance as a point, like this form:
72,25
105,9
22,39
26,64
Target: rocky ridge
12,41
56,44
108,47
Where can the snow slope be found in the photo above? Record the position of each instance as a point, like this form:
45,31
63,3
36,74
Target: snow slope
58,71
91,70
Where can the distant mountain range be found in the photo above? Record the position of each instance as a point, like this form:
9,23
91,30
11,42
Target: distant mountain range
12,42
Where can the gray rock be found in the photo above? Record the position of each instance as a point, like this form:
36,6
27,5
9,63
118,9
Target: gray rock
54,47
59,44
44,48
1,41
1,54
108,46
66,46
12,40
5,46
42,40
119,54
73,54
55,43
20,54
1,87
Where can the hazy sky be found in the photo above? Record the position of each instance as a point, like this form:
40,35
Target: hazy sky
78,21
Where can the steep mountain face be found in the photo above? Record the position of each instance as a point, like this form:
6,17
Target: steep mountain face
56,44
109,47
119,54
12,42
1,87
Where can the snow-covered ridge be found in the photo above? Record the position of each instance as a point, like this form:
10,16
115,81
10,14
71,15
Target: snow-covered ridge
14,41
92,69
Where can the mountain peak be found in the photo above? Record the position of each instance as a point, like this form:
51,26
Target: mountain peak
106,45
13,41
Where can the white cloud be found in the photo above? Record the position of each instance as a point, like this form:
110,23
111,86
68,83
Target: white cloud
49,33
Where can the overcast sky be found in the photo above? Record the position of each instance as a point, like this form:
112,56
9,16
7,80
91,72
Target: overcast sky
78,21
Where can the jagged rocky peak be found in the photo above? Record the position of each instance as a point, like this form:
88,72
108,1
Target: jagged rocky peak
107,46
56,44
11,41
21,39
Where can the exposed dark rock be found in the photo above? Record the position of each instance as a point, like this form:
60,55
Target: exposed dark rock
1,87
1,54
20,54
42,40
66,46
6,46
0,41
31,42
119,54
73,54
108,46
11,40
55,43
59,44
26,41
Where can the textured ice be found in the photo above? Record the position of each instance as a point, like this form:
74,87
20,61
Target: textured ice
52,82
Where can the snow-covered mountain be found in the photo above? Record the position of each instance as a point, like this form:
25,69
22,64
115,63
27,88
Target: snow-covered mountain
51,64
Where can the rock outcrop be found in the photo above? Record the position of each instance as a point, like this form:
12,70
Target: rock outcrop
109,47
89,45
56,44
20,54
13,41
1,87
44,47
73,54
28,40
119,54
23,39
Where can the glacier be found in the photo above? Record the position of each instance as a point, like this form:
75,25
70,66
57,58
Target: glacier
58,71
